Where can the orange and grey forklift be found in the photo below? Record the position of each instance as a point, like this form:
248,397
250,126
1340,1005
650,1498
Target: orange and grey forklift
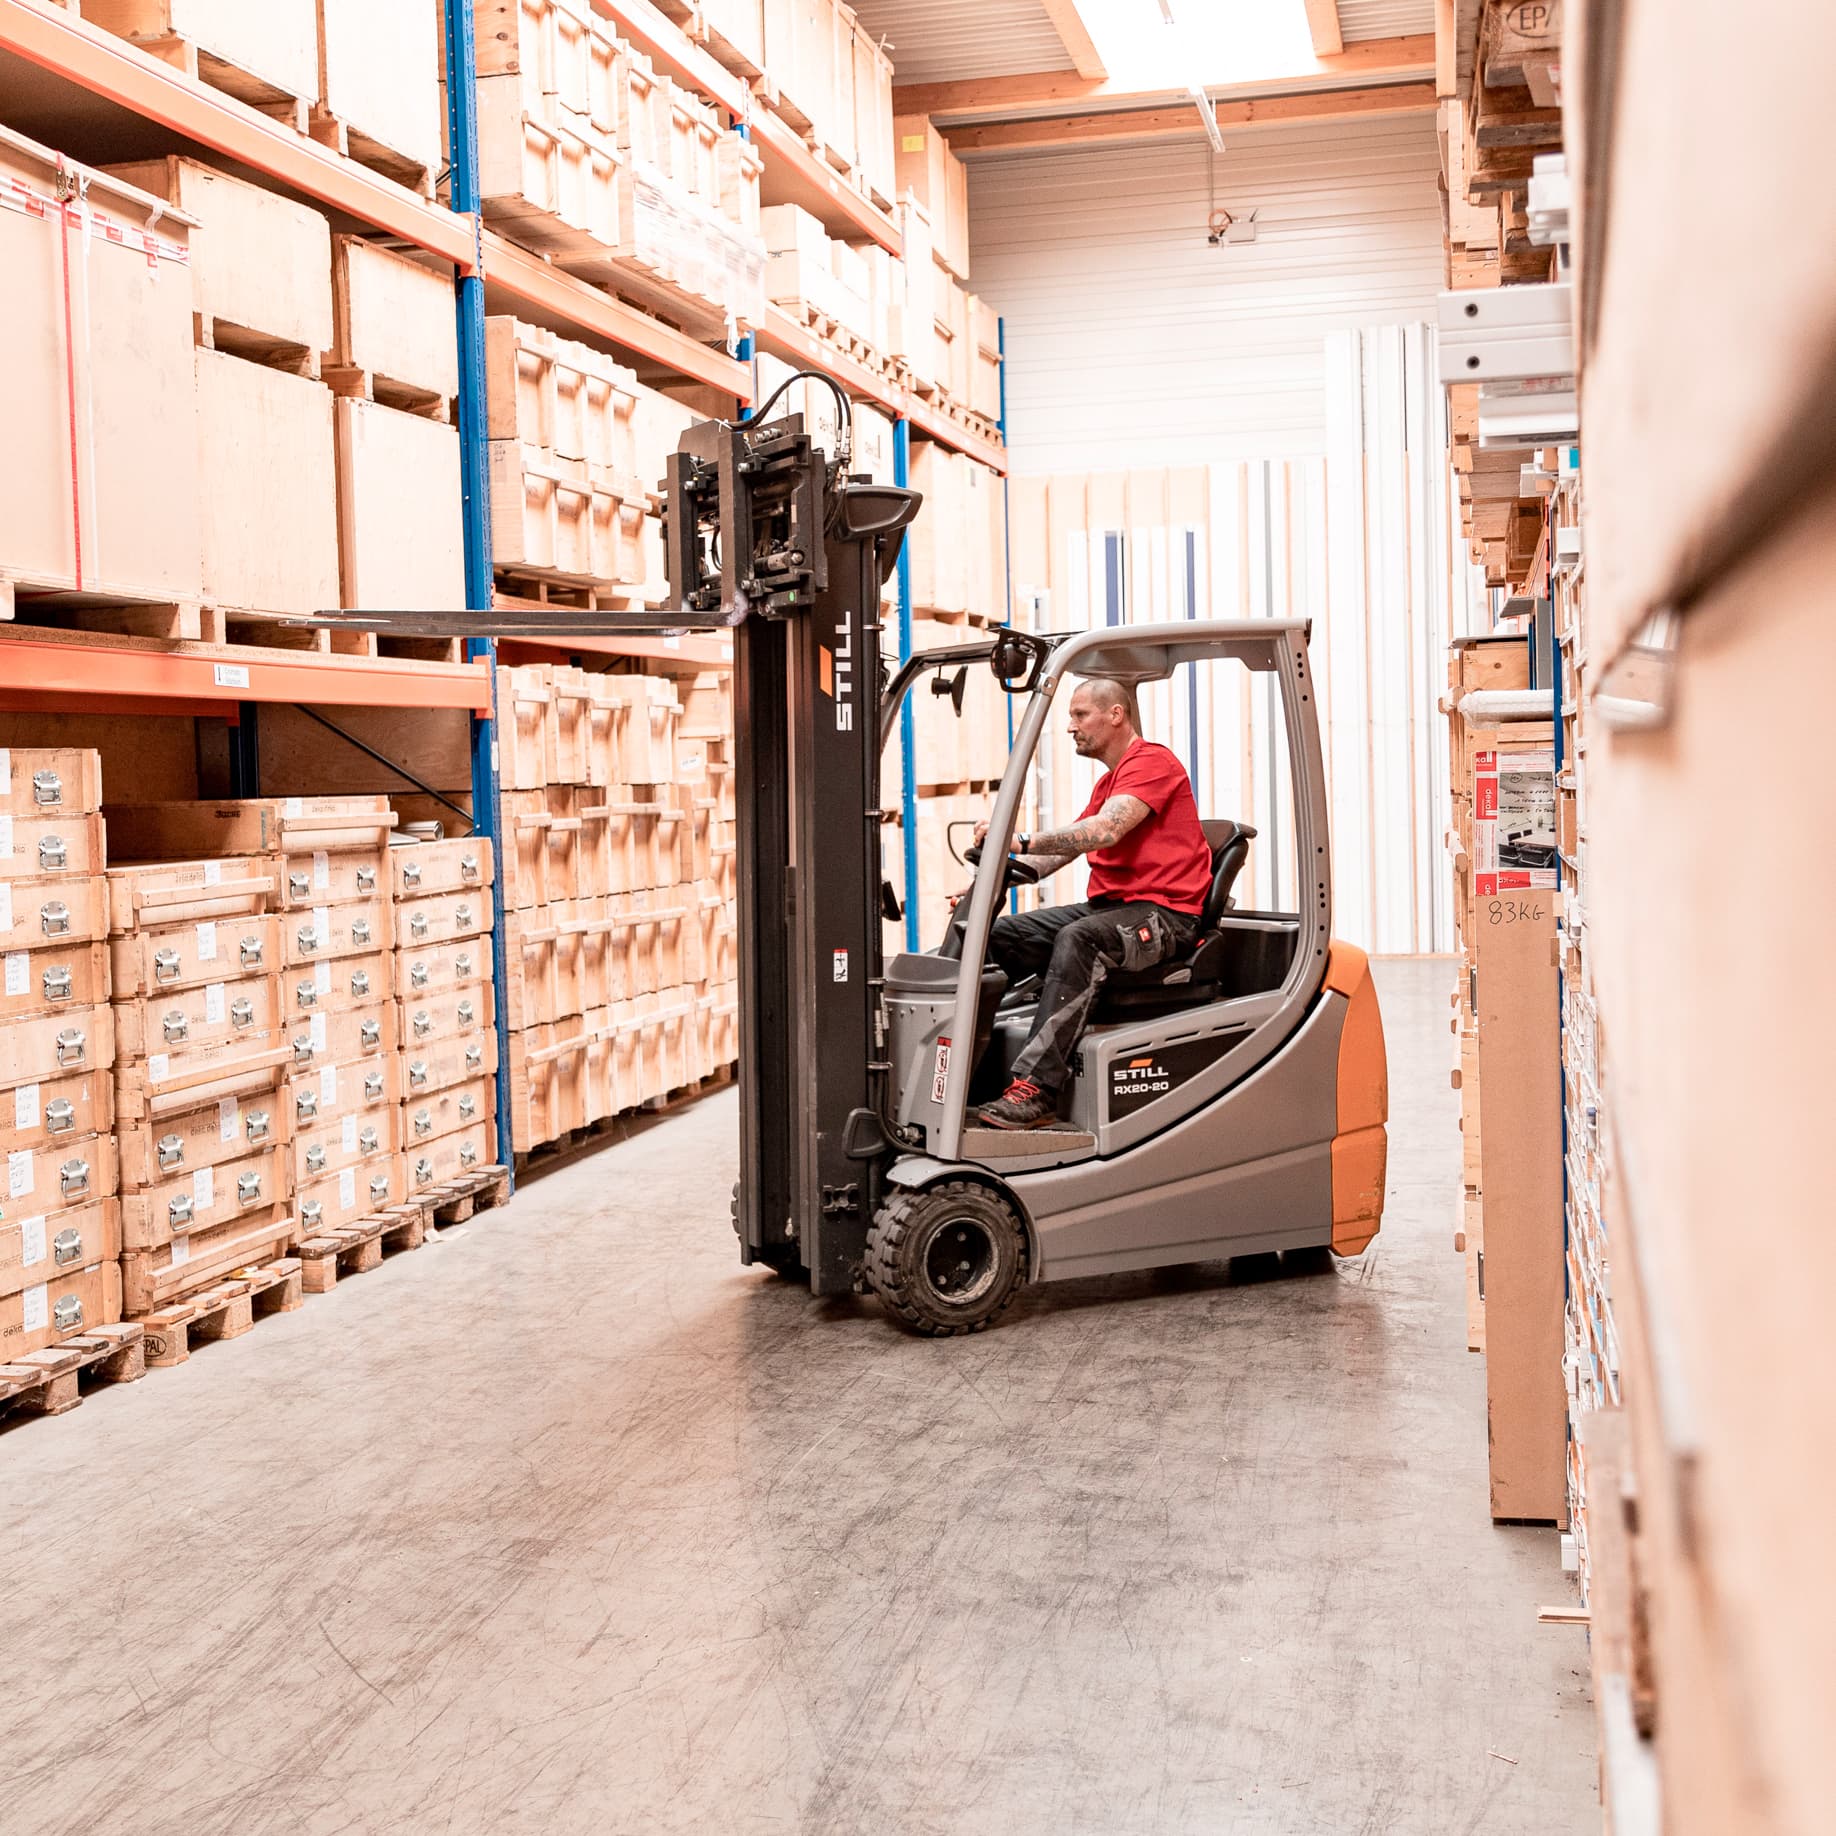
1230,1102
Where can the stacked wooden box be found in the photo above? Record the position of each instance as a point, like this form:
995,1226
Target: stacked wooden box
358,75
617,893
328,469
207,1179
844,292
60,1218
446,1017
591,156
325,859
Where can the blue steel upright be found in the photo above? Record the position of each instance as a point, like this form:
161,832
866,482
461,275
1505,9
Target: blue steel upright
908,756
475,484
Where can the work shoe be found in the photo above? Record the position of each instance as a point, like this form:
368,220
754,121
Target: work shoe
1022,1105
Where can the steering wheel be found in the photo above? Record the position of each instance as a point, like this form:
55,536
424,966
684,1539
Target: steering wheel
1018,872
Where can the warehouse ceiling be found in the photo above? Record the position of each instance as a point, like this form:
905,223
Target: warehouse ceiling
1360,20
939,41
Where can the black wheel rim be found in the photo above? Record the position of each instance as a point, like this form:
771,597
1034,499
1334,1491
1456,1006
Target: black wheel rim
961,1261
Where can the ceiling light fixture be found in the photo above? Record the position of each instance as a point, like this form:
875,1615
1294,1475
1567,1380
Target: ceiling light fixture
1166,11
1209,116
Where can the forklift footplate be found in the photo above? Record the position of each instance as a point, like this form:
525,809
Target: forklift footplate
1022,1143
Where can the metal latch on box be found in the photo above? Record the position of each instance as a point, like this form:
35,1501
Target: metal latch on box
307,939
367,1141
423,1024
306,993
52,854
411,873
462,963
360,930
423,1123
47,789
417,926
251,952
242,1013
60,1116
474,1057
311,1211
369,1033
248,1188
423,1171
55,918
57,984
67,1247
305,1104
179,1211
418,976
372,1086
67,1314
166,965
468,1154
171,1151
256,1125
379,1188
73,1178
417,1073
315,1159
299,885
366,879
176,1026
468,866
72,1046
468,1107
360,982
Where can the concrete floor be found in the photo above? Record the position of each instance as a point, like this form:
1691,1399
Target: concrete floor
571,1525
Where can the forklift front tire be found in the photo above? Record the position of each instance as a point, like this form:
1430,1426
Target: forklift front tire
947,1260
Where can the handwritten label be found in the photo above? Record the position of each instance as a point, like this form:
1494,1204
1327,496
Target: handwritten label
6,838
215,1007
204,1188
207,943
1515,911
213,873
229,1119
18,972
36,1310
328,1086
25,1106
347,1188
321,871
31,1241
181,1251
158,1065
6,905
19,1173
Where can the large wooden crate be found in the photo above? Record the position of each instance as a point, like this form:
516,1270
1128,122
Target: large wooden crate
260,263
265,54
379,68
939,180
392,324
119,513
269,494
400,510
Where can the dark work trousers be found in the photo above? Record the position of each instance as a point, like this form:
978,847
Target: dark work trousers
1077,946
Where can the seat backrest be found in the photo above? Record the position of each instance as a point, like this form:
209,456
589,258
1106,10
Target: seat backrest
1229,850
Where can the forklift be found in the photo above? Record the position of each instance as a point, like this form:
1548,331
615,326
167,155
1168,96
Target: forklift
1229,1102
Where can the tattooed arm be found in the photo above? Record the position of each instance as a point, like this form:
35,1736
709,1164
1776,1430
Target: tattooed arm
1117,818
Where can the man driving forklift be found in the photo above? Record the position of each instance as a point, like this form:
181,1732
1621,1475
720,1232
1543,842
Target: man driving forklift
1150,869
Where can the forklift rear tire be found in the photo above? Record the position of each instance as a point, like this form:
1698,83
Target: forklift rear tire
948,1260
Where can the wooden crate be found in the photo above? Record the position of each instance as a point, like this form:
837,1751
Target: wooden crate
339,1039
458,864
938,179
62,1173
218,1023
462,1014
168,956
265,55
448,1062
298,828
209,1200
261,273
400,522
36,1247
59,978
39,1115
241,1114
449,1156
50,847
330,1091
269,497
125,520
330,1147
440,968
441,1112
379,81
392,327
357,928
152,1279
352,1193
328,987
443,918
68,1302
552,186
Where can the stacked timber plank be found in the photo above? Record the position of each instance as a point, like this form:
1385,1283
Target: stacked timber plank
60,1217
617,892
1490,140
592,157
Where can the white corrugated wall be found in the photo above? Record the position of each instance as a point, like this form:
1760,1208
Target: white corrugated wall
1131,341
1297,373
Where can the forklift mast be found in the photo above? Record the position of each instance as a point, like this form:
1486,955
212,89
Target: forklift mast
768,537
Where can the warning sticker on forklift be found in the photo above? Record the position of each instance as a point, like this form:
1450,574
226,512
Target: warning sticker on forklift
841,965
940,1078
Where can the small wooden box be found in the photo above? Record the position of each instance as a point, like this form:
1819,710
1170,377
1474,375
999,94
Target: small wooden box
447,1062
37,913
444,918
188,1264
167,957
36,1248
65,1303
62,1108
55,1046
59,978
242,1116
51,846
329,1092
355,1192
458,1015
340,1039
441,1112
420,870
330,931
50,781
338,987
206,1200
329,1147
448,1156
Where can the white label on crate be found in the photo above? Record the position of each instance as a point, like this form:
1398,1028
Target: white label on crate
321,927
6,771
321,975
204,1188
19,1173
18,972
321,871
347,1135
231,675
315,1032
940,1076
37,1307
31,1241
207,943
158,1064
328,1085
841,965
347,1188
294,806
181,1251
229,1119
213,873
6,905
215,1006
6,838
25,1106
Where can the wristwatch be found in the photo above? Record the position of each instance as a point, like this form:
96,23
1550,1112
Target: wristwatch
1023,843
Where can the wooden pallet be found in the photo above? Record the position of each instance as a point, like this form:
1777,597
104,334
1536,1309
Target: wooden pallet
354,1249
34,600
205,67
455,1200
225,1311
49,1382
329,130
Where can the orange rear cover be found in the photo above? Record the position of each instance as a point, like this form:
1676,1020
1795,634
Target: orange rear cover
1360,1148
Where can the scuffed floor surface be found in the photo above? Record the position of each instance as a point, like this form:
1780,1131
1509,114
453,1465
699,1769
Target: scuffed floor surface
570,1525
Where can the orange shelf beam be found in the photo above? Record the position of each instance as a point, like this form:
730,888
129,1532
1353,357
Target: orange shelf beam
939,427
128,672
536,283
122,73
793,174
687,652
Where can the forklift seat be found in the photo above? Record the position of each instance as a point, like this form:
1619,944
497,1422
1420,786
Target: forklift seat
1194,976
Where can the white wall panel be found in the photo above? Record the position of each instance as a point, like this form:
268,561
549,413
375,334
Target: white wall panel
942,41
1132,342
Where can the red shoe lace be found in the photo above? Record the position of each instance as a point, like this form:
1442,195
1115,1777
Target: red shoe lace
1020,1091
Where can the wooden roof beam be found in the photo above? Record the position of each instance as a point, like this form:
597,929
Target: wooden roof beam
1157,123
1068,23
1373,60
1323,27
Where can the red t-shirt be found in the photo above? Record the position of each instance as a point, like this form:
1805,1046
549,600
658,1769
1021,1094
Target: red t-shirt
1165,859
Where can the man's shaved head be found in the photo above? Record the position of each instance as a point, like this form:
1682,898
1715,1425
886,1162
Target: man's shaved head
1103,717
1105,692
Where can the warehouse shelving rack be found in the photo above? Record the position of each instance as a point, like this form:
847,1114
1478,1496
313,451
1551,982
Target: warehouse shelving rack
98,75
